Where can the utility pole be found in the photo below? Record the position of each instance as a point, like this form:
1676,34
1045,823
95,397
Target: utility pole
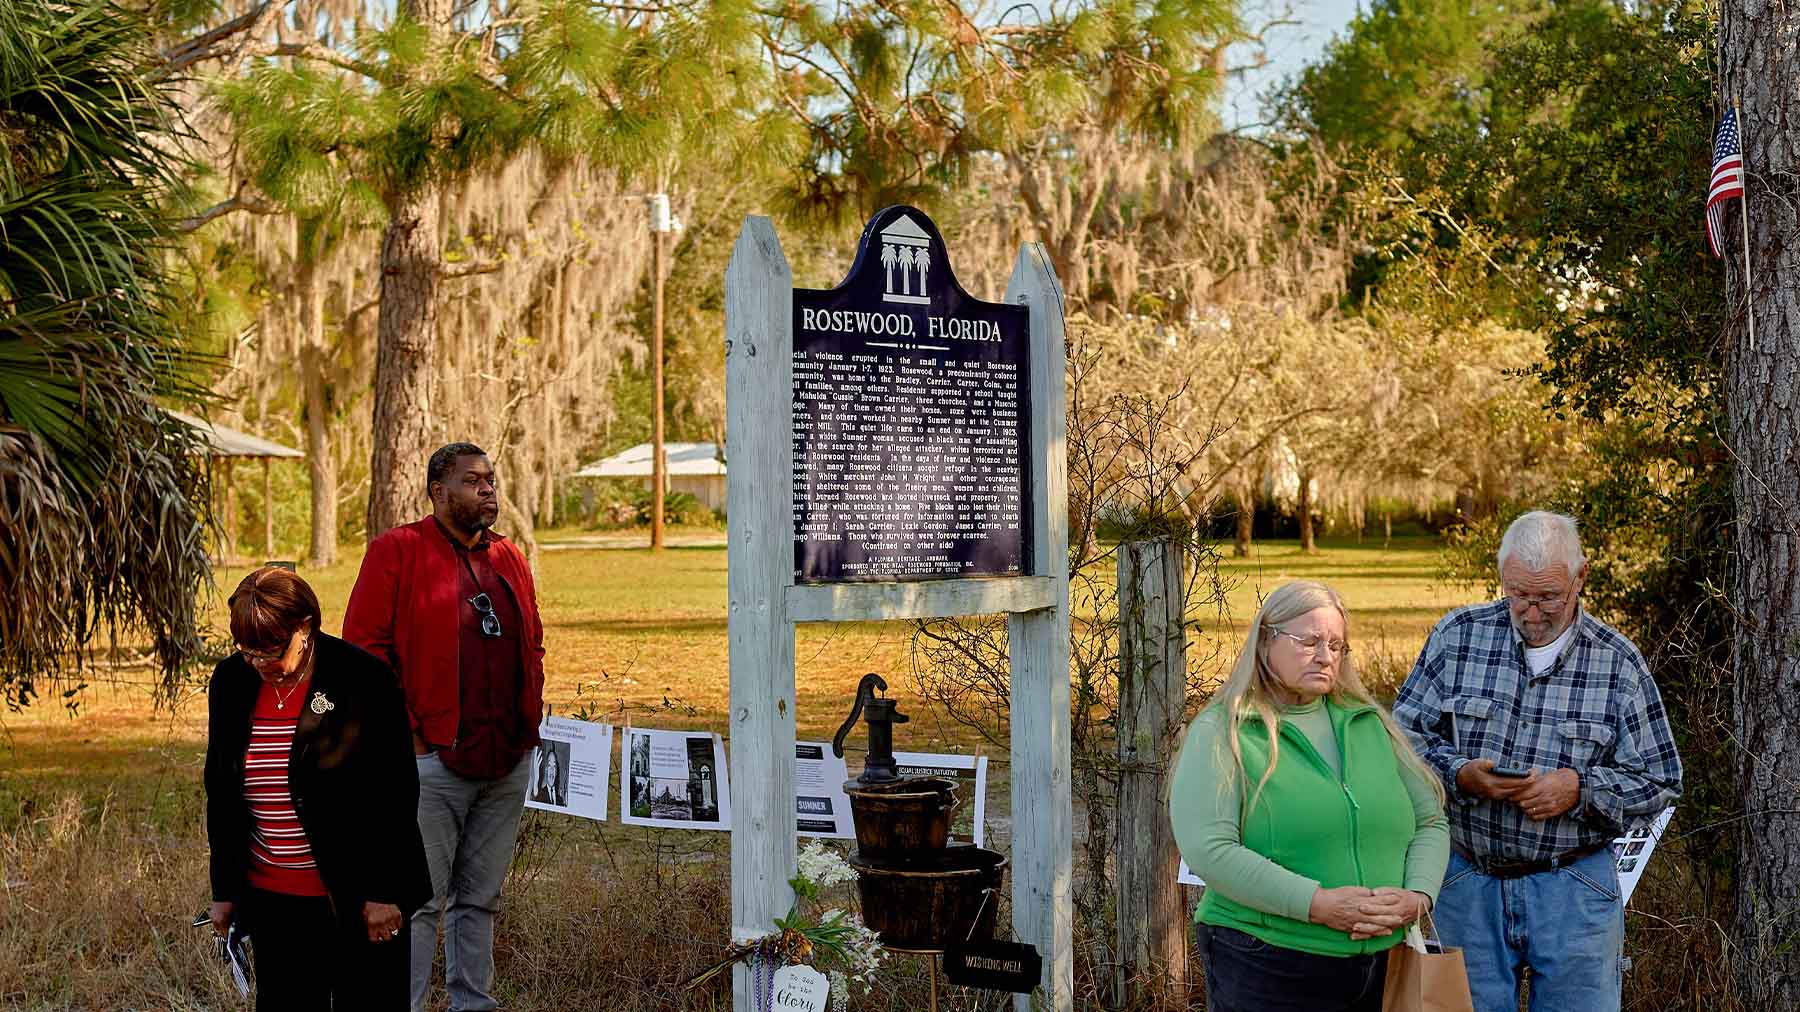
662,223
659,466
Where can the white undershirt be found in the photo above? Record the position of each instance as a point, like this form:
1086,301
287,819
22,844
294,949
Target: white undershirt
1539,659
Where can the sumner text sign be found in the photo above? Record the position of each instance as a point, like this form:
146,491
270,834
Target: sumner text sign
911,419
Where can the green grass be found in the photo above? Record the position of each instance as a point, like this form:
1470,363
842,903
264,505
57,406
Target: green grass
104,857
1395,594
639,636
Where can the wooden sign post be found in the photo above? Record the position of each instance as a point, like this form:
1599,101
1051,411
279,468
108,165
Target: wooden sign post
896,450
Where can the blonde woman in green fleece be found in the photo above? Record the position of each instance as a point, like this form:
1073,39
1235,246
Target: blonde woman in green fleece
1319,832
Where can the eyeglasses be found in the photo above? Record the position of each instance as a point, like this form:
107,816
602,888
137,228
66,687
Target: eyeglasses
1311,644
490,622
1546,604
258,658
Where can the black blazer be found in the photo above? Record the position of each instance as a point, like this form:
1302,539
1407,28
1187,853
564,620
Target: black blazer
352,774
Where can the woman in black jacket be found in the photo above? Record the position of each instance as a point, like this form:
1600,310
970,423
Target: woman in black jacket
312,795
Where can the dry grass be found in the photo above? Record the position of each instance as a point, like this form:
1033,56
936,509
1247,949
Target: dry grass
96,910
103,861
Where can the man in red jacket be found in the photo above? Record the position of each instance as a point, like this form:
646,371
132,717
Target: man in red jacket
451,606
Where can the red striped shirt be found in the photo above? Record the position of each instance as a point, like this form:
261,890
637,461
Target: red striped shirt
281,859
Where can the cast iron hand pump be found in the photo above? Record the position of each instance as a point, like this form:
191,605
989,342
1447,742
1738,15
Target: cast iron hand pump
880,767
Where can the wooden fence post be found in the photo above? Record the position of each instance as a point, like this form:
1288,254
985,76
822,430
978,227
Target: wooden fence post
1042,808
759,369
229,526
268,513
1152,931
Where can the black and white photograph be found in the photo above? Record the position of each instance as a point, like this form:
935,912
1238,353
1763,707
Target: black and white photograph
640,772
677,779
550,774
570,768
1633,851
668,800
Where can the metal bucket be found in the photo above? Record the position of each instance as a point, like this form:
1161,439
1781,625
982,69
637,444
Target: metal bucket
918,907
905,820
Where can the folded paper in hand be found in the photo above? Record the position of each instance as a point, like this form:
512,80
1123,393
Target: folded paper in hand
232,950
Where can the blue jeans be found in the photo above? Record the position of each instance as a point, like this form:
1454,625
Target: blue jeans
1246,974
1567,925
469,827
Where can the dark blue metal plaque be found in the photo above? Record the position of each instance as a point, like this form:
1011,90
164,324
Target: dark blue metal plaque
912,419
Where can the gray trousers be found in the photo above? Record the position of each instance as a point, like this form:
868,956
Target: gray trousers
469,827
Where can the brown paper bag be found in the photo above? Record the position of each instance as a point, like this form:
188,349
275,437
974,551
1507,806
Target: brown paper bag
1425,977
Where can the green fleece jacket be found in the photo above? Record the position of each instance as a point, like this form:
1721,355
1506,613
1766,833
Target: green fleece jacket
1357,817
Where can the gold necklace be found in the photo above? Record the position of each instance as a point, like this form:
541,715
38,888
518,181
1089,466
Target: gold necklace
299,676
281,700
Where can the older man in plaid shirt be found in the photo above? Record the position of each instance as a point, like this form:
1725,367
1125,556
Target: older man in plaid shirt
1551,738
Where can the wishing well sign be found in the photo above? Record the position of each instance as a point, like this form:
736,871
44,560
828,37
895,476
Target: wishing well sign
912,408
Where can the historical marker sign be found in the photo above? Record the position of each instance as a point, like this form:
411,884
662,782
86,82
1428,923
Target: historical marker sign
912,419
975,468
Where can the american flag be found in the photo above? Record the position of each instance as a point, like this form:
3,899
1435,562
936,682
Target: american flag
1727,180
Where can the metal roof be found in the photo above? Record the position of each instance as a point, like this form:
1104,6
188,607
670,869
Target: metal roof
685,459
222,441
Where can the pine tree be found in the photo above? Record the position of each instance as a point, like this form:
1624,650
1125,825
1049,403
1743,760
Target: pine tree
1756,61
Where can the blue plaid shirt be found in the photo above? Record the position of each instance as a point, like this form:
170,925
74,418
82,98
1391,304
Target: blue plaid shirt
1595,710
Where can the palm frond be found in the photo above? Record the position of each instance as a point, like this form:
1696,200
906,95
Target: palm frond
102,496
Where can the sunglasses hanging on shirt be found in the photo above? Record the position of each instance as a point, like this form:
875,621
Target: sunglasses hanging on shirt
483,605
490,622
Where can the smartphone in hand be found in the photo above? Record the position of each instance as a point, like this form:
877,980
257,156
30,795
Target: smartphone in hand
1511,771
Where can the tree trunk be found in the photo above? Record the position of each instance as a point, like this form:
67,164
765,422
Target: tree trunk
1246,520
320,465
521,529
548,427
1756,54
1152,927
1306,511
405,426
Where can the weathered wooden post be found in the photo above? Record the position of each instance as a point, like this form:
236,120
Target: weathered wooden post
1042,808
759,340
896,451
1152,928
268,511
229,526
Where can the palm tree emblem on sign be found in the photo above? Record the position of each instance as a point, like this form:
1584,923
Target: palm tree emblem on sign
906,246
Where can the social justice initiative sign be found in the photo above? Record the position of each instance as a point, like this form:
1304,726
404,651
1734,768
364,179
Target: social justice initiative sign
912,419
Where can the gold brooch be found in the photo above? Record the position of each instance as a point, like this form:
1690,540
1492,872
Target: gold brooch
322,705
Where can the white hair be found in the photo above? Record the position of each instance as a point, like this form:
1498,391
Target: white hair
1539,540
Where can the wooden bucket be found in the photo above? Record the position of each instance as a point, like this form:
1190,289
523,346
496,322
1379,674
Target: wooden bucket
904,820
918,907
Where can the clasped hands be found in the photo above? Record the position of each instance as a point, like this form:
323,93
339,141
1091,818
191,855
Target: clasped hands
1364,913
